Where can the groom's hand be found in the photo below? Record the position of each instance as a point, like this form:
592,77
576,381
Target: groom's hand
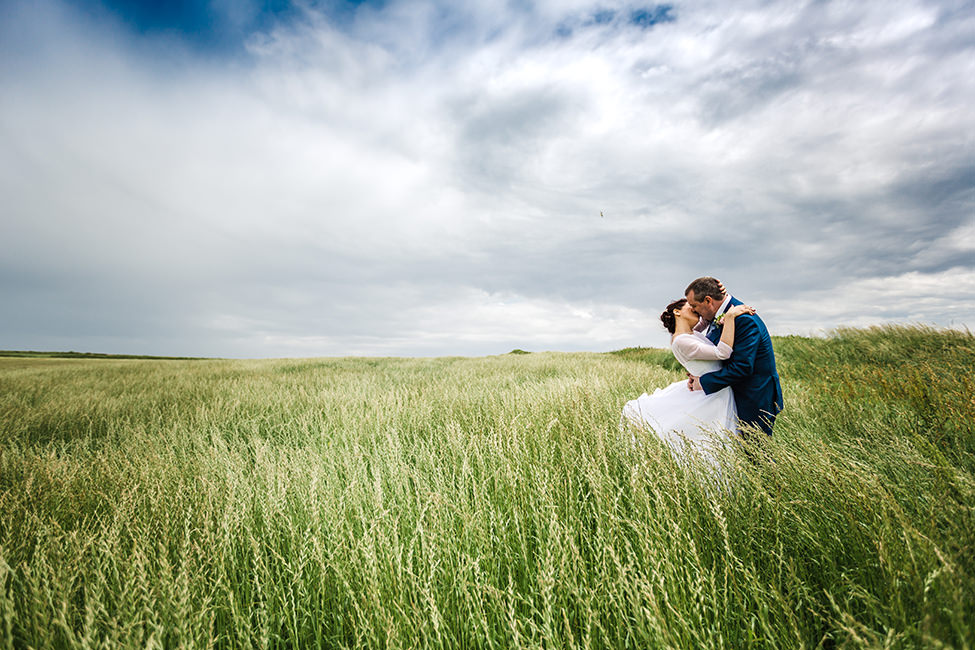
694,383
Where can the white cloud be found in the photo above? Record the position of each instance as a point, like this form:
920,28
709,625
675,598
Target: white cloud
473,320
428,179
925,298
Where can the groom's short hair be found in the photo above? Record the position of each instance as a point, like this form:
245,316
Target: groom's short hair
703,287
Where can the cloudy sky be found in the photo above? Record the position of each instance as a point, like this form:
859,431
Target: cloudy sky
430,177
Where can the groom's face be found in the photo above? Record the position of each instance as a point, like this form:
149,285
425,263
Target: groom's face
705,308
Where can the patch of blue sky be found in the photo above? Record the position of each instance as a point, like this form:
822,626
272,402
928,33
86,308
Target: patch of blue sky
644,18
213,26
650,16
603,17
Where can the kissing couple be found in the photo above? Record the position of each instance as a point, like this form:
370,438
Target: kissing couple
732,385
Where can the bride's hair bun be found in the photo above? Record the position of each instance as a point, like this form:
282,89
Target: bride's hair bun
668,318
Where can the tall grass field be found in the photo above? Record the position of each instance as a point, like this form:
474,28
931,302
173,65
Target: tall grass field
485,503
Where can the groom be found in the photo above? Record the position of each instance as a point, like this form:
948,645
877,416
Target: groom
751,369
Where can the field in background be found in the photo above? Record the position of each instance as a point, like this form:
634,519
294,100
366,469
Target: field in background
33,354
485,502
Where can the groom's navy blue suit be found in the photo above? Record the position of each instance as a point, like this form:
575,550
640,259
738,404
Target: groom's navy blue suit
750,372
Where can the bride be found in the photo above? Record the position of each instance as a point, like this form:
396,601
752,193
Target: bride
680,417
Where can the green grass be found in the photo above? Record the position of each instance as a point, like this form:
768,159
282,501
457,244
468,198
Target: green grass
485,503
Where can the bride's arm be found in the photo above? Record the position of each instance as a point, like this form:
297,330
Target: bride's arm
697,348
728,323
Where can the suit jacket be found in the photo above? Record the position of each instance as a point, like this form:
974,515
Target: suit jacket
750,372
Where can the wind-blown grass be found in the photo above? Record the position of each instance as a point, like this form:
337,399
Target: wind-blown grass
488,502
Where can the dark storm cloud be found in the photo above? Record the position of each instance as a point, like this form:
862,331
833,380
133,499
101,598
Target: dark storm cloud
434,178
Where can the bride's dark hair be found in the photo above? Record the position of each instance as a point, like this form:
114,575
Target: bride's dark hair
668,318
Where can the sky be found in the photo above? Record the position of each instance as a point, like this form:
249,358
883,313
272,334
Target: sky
431,177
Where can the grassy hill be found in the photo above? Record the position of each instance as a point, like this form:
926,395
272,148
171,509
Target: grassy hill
487,502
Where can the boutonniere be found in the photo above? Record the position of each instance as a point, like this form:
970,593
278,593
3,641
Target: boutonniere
718,319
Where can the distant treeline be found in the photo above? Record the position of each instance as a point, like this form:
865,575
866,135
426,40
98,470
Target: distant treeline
85,355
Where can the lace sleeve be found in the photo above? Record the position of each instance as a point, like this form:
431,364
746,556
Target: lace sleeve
701,349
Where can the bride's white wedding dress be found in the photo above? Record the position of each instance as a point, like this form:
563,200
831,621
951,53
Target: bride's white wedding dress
682,417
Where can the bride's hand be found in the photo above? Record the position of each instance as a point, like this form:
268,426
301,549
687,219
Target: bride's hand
738,310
